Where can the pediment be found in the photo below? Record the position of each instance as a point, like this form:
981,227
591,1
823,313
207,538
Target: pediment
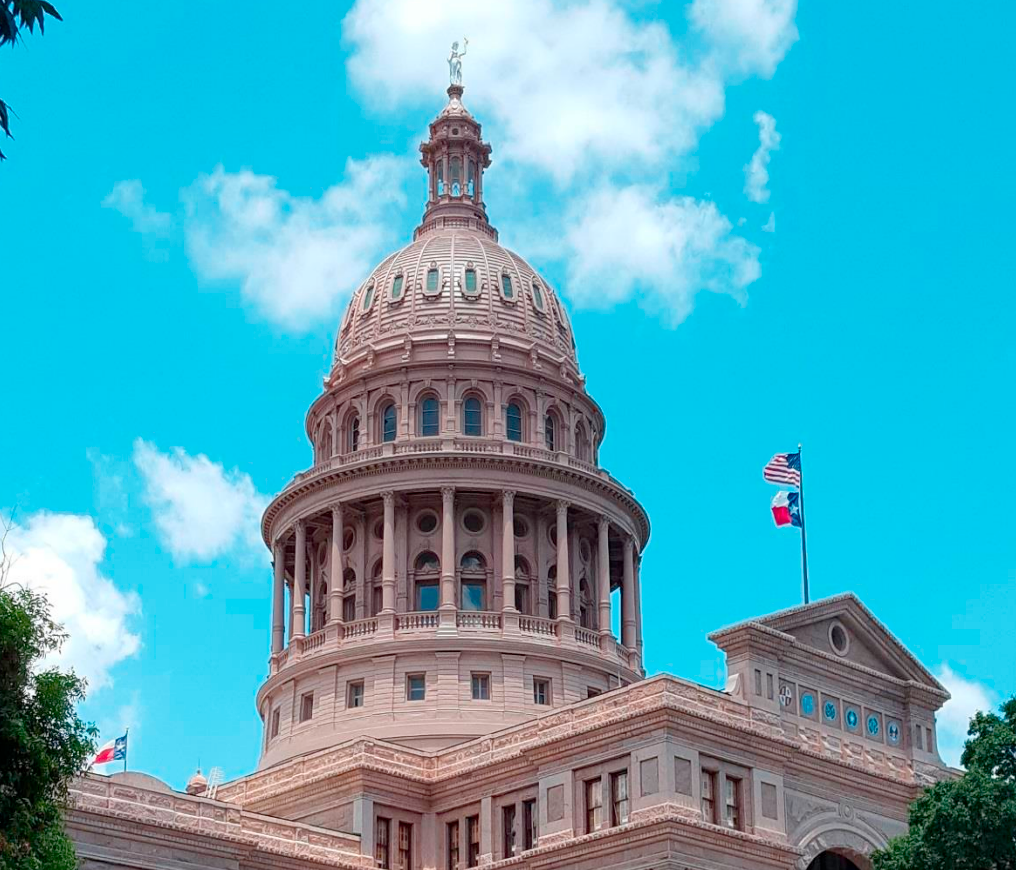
841,627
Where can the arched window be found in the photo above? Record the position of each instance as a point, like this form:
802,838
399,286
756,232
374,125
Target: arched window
427,563
353,434
376,590
473,581
455,174
397,287
581,442
472,179
430,417
326,440
472,417
550,432
388,421
538,297
507,290
471,288
368,298
552,592
348,595
440,178
432,282
523,596
473,563
513,421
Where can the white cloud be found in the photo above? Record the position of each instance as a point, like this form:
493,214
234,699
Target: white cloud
770,225
296,258
756,173
60,555
202,511
627,242
953,719
128,198
748,36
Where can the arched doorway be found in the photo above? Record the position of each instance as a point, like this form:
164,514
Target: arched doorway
834,861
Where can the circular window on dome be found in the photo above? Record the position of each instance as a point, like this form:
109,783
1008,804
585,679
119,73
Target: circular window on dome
538,298
473,522
839,640
521,527
379,530
426,522
348,539
585,551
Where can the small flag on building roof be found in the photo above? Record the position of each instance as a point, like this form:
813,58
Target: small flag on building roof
784,468
115,750
787,508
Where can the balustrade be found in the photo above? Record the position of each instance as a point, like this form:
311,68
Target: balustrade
584,635
478,619
360,628
538,626
416,621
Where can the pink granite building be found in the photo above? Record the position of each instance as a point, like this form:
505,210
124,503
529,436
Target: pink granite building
444,687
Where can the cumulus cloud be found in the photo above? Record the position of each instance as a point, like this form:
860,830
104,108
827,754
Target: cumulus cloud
296,258
954,718
756,173
201,509
128,198
770,225
747,36
60,555
628,242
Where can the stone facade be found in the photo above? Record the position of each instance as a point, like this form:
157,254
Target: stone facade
444,687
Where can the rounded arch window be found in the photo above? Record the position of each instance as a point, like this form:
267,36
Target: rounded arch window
550,432
389,420
552,591
513,421
427,563
520,527
397,283
522,571
353,436
348,539
433,285
472,417
474,522
470,286
368,298
507,288
430,416
426,522
538,298
473,563
375,572
348,579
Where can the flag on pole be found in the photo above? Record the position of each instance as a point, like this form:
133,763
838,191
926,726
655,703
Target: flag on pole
787,509
115,750
784,468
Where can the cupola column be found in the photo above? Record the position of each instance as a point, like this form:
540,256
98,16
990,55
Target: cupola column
448,548
603,573
638,606
336,566
278,595
563,570
628,595
508,550
388,555
300,581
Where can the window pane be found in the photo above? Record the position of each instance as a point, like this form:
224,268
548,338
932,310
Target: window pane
388,423
470,280
514,422
429,416
432,280
397,287
473,595
427,597
506,285
538,296
368,298
416,687
548,427
472,417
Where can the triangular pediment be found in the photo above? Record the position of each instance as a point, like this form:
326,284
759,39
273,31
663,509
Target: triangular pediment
843,627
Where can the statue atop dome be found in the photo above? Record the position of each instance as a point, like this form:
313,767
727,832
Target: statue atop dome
455,62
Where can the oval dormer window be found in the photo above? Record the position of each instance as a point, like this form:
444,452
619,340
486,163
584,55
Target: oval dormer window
397,288
507,290
470,287
433,286
368,298
538,297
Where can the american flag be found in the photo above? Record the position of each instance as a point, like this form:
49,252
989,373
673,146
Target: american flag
784,468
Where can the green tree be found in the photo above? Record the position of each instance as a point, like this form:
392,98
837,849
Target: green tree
968,823
15,16
43,743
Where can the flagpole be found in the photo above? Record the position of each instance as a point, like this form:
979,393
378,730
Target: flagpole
127,732
804,539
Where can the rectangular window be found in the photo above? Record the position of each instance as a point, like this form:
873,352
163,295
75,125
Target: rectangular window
769,686
506,285
758,682
919,734
397,287
508,828
473,841
619,798
354,694
474,595
470,281
349,608
530,825
432,280
931,743
405,846
376,600
307,707
427,595
416,687
382,834
522,597
452,845
732,812
594,804
541,691
275,723
552,602
481,687
709,796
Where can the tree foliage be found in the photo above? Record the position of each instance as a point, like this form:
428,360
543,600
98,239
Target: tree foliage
43,743
16,16
968,823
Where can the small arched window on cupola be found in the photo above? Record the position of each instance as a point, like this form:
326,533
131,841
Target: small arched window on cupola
389,419
432,287
472,417
538,300
440,178
513,421
368,297
353,433
397,283
550,432
430,417
455,173
470,287
507,288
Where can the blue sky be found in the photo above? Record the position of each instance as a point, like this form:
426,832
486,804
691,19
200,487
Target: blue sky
190,202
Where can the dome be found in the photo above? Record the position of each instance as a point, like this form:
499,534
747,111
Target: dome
197,783
459,280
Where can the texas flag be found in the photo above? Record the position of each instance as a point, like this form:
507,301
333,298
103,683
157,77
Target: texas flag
115,750
787,508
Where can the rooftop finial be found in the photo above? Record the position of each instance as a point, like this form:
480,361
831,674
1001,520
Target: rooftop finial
455,62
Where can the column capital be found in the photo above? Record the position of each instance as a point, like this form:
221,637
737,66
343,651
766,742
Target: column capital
388,497
448,493
562,507
603,525
300,527
508,497
336,507
629,544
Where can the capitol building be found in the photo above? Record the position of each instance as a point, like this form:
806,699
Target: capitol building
444,688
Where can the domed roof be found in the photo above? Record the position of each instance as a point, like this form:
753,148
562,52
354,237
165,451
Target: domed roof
197,783
456,279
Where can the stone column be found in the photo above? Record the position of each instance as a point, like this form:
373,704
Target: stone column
638,607
300,581
507,550
628,595
603,574
279,596
448,608
563,569
388,555
337,566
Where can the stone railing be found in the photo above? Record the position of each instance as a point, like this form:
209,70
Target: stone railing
586,636
360,628
482,620
538,625
313,641
106,796
420,621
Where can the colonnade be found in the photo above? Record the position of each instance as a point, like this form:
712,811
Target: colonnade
630,597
